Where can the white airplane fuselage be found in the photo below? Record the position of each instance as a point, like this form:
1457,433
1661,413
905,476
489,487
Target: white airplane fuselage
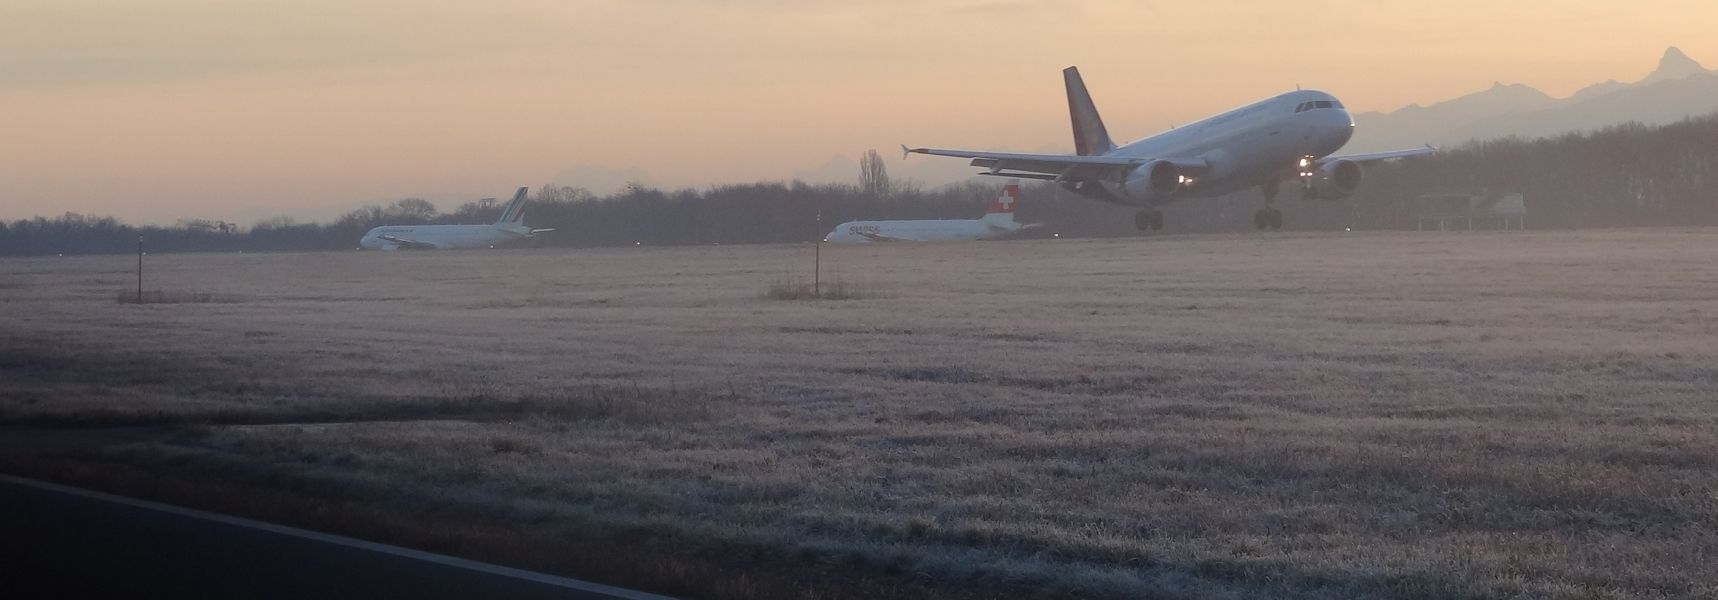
442,237
943,230
1257,144
998,221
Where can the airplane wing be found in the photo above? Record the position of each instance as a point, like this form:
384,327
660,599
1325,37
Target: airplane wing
1057,166
537,231
408,243
1371,156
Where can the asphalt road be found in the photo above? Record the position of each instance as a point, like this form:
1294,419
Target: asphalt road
59,542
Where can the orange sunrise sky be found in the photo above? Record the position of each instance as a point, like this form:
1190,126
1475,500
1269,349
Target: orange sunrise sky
154,111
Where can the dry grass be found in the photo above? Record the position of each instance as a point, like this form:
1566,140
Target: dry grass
174,297
790,287
1309,416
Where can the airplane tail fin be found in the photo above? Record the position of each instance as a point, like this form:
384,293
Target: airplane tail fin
514,214
1001,211
1090,137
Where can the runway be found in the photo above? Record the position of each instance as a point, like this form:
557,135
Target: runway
66,542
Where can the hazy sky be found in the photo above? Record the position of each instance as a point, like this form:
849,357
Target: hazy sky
156,110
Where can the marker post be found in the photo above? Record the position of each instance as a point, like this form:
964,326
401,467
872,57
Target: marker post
817,260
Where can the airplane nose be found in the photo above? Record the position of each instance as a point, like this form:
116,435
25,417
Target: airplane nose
1342,124
1343,117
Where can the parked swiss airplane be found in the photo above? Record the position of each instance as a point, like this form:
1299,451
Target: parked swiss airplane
510,227
1291,136
998,221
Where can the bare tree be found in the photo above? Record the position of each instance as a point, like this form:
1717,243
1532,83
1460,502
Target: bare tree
413,209
279,222
563,193
873,176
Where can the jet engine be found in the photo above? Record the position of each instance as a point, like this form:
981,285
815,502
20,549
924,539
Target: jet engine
1334,180
1153,181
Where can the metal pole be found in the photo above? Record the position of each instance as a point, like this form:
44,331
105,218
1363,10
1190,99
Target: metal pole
817,261
140,269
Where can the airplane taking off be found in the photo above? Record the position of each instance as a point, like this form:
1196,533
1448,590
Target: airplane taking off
510,227
1290,136
997,222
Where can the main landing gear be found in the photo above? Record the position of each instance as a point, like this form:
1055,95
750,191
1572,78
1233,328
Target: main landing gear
1149,219
1268,217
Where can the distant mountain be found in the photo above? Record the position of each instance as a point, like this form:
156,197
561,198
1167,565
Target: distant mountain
1674,65
1664,102
1678,88
1599,89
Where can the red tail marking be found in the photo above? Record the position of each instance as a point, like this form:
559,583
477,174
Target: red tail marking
1005,202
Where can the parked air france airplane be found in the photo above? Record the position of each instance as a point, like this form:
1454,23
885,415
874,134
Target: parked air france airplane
1290,136
998,221
510,227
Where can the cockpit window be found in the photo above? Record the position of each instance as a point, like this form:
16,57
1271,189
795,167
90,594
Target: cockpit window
1317,104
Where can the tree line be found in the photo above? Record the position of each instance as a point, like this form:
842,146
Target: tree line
1627,175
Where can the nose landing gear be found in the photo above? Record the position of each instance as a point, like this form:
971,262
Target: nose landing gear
1308,192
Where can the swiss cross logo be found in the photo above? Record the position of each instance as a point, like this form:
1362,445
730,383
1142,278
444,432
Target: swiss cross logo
1005,202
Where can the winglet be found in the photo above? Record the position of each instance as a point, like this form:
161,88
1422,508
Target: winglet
905,152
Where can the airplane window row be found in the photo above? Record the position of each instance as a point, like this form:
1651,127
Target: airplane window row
1316,104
